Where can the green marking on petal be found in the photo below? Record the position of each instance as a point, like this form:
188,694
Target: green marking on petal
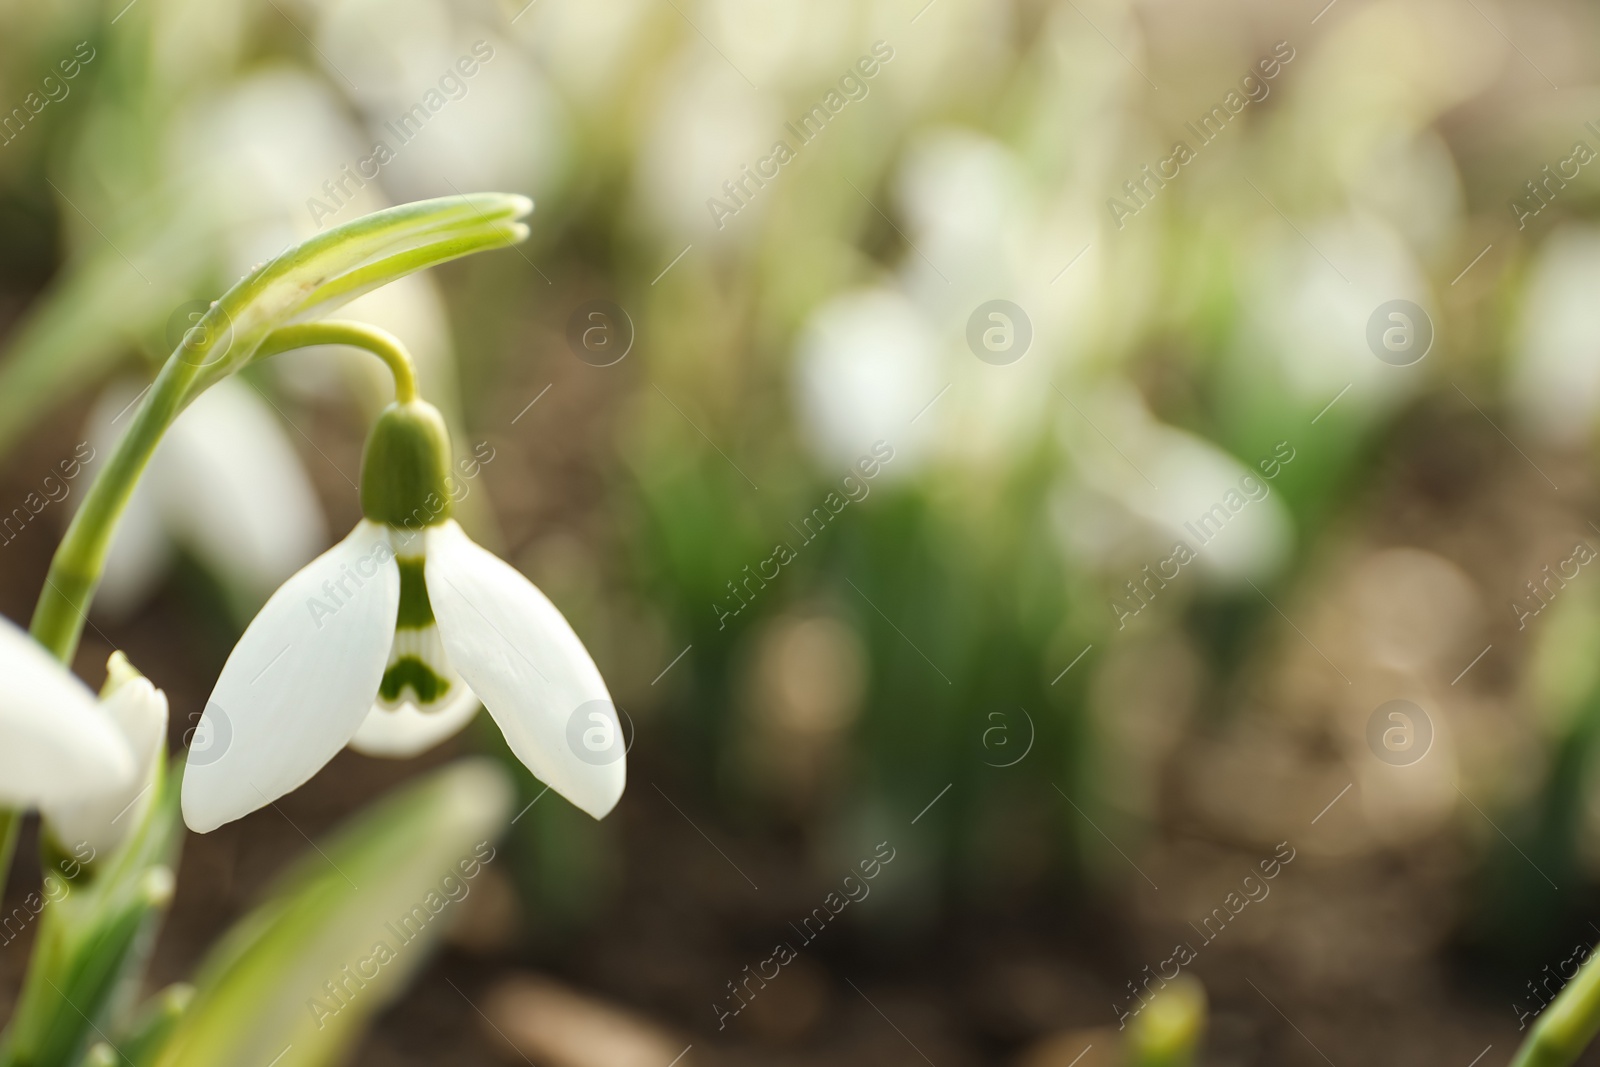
411,673
416,610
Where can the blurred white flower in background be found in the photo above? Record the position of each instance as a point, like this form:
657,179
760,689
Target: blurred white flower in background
969,211
225,483
870,361
258,153
1363,89
706,126
779,42
253,155
981,231
474,86
1555,369
867,364
1308,300
590,48
1411,182
1171,480
508,132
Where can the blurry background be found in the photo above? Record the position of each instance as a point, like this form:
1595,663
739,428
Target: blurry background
875,566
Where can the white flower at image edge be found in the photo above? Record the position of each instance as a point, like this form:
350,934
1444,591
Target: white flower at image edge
388,642
85,763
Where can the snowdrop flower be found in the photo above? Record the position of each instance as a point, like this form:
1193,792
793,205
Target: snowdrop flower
1555,376
1183,488
590,49
865,364
389,640
85,763
1308,314
226,482
972,210
706,126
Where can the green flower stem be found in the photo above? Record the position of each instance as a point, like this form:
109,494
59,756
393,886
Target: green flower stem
58,617
380,343
1565,1028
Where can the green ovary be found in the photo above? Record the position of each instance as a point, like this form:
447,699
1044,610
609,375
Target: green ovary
416,610
410,672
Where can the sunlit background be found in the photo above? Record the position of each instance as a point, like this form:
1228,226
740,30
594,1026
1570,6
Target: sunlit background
1034,441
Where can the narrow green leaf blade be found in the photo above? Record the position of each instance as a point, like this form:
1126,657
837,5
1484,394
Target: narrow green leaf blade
295,981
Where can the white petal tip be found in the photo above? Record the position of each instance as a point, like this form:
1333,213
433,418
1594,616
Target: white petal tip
596,792
200,818
598,812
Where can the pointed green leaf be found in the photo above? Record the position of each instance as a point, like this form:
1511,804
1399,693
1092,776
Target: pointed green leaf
295,981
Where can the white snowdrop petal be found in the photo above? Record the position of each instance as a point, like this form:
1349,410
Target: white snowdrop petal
56,746
520,656
139,711
405,731
298,683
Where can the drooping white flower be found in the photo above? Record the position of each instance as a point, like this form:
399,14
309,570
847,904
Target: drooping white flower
389,641
85,763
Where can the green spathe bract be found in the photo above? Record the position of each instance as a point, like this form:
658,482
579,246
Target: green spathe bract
405,472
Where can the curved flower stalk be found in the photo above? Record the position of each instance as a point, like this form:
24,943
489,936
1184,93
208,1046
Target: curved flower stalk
388,642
